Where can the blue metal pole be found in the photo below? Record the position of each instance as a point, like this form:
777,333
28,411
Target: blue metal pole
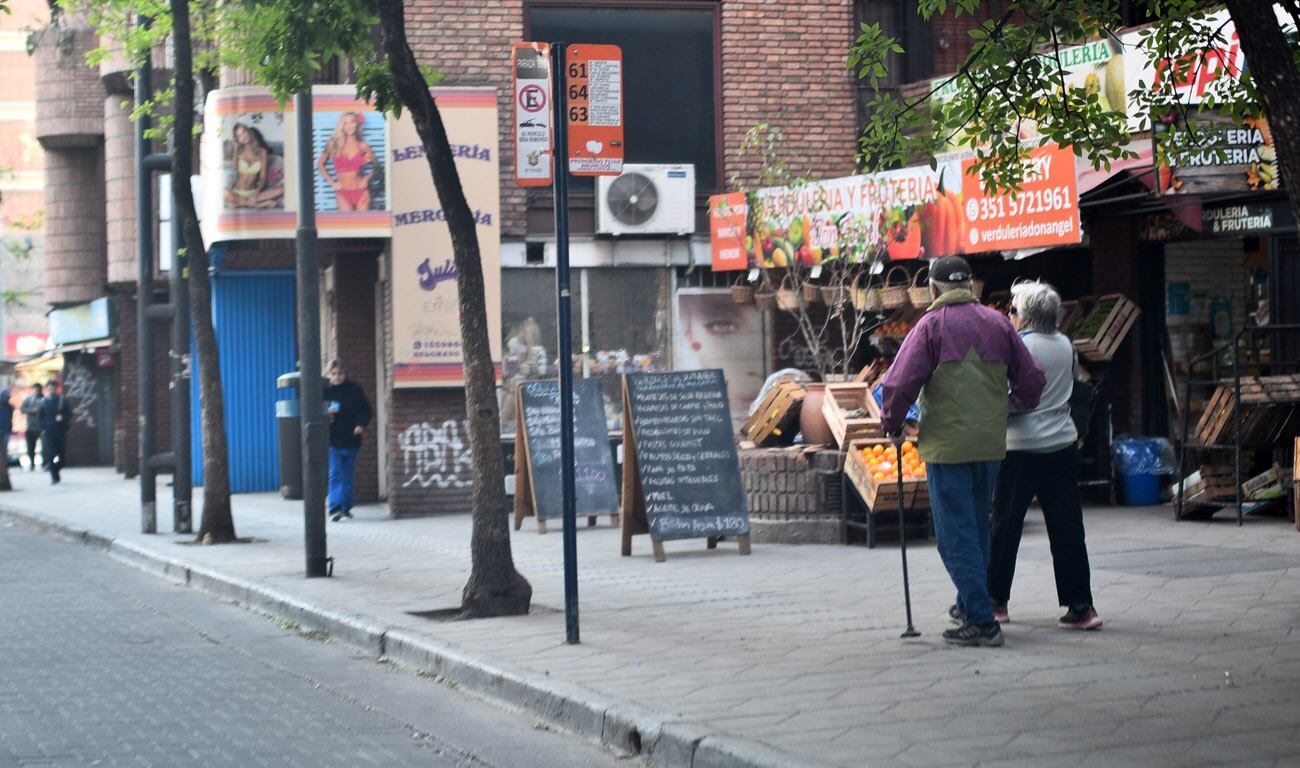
565,357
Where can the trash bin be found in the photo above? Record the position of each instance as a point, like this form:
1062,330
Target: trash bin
288,425
1139,462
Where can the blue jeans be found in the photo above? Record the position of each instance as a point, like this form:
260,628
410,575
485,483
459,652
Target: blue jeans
960,495
343,468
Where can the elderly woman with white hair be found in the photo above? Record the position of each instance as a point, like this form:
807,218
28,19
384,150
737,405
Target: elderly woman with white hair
1043,460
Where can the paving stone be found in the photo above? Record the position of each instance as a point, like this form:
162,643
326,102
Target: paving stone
797,647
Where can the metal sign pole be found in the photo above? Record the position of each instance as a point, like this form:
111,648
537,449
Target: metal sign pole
560,157
143,298
309,379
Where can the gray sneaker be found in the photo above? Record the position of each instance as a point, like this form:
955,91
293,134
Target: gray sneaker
989,635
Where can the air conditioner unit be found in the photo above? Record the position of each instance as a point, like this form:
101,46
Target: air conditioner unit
647,200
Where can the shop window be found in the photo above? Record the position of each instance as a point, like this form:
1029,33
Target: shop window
670,75
627,327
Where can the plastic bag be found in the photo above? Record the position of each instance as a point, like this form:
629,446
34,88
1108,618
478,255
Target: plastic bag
913,413
1143,456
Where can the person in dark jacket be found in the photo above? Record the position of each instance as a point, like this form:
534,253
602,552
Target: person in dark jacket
56,417
349,416
31,409
6,420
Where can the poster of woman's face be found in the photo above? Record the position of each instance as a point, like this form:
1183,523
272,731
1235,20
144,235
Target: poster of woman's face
253,161
713,331
349,148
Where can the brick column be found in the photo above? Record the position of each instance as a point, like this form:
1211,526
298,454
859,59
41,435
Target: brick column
429,459
354,338
1115,254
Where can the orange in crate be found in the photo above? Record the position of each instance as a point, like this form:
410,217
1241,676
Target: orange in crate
872,468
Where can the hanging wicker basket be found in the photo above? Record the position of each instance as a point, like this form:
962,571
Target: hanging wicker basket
893,295
742,292
765,298
834,295
788,298
866,297
919,293
812,292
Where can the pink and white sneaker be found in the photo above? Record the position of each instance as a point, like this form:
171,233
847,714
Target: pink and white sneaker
1084,618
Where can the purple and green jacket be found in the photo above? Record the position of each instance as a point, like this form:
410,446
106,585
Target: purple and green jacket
961,359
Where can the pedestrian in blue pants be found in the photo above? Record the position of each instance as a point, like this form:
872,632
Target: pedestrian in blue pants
350,414
961,359
960,495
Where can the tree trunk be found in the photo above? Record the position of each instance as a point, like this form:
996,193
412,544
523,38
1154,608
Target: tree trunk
217,525
1278,81
494,588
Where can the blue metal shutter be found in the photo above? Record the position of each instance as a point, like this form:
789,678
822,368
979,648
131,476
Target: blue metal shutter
254,315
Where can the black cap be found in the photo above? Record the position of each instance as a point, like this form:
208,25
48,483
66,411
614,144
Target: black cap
950,269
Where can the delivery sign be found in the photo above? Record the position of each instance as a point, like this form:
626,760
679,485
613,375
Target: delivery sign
727,231
1044,213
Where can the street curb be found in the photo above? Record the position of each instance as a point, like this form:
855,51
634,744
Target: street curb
620,726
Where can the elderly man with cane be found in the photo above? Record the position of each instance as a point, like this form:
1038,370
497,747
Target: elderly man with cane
961,359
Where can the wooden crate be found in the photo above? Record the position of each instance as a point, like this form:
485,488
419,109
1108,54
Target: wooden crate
777,416
843,399
1266,402
1071,312
882,498
1112,317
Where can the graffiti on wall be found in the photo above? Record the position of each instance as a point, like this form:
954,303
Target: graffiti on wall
436,456
79,387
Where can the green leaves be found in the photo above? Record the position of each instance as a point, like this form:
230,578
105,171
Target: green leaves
1020,85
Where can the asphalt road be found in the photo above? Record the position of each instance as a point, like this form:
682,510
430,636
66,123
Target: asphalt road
101,665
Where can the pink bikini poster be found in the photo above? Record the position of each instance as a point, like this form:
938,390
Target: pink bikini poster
250,173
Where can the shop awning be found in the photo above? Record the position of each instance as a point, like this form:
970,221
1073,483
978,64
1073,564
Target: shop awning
81,346
46,362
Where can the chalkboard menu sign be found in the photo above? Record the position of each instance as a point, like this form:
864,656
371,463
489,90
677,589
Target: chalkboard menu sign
537,453
681,476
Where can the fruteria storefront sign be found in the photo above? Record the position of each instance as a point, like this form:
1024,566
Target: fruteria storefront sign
909,213
1227,157
426,303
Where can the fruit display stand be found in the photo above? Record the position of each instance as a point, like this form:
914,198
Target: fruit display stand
851,412
1250,421
877,490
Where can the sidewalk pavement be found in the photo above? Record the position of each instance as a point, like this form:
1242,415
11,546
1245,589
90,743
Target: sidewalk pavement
790,656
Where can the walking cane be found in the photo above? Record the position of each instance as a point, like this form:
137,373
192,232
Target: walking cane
902,543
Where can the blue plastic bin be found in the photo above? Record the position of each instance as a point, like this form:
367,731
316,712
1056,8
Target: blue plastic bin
1141,490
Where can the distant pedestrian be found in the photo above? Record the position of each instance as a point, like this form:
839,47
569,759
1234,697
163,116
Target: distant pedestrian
6,420
1043,461
349,416
961,358
56,417
31,408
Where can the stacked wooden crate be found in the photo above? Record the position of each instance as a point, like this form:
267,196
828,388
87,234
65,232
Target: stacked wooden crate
1101,331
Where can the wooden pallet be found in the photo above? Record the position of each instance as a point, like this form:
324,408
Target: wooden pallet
843,399
1116,315
884,497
